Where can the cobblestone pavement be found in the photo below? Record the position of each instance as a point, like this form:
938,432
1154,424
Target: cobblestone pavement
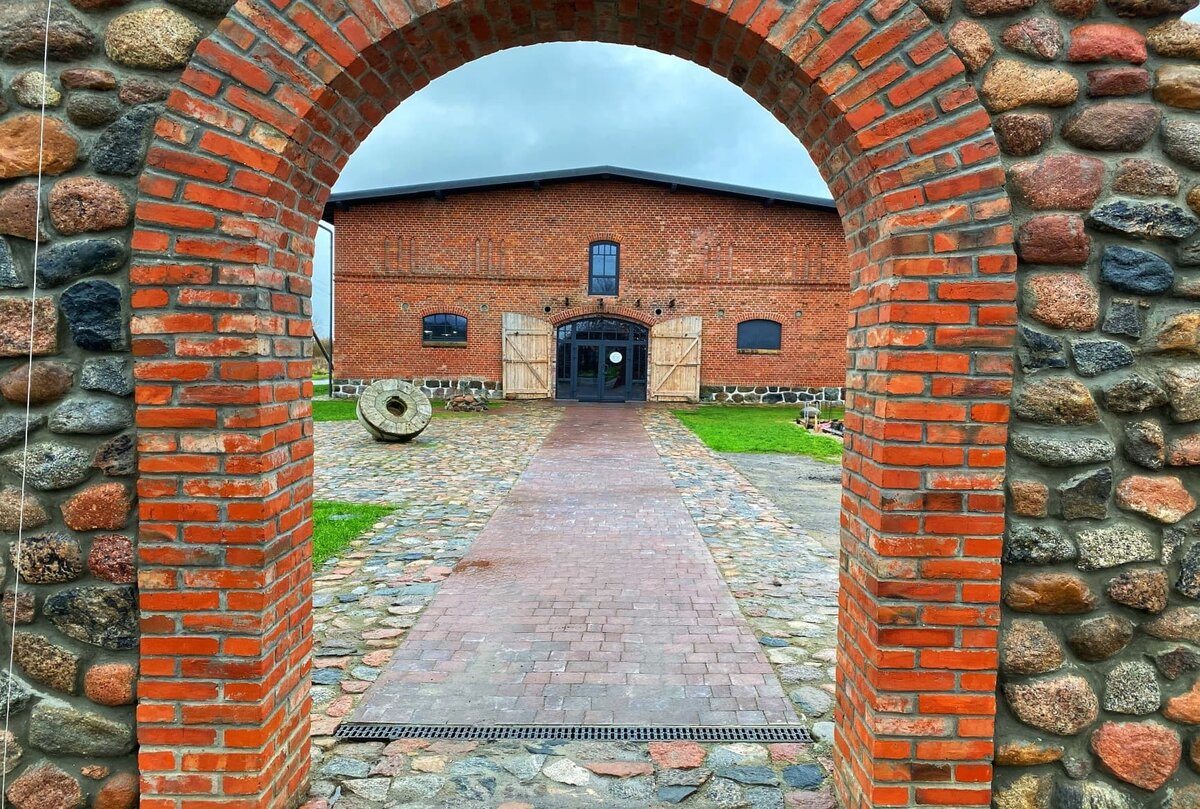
784,580
449,482
807,491
589,598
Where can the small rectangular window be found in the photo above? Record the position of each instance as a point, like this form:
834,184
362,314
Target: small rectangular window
603,268
759,336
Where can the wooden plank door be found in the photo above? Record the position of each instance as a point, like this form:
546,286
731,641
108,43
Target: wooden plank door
528,345
675,360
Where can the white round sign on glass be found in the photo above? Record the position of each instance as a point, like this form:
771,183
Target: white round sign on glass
615,357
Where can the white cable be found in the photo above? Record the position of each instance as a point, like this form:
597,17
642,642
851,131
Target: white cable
16,556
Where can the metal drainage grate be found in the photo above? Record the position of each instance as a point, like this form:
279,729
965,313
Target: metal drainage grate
381,731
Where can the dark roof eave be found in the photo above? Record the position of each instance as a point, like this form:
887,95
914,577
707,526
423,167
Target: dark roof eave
538,179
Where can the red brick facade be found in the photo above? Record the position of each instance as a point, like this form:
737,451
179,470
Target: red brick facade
483,252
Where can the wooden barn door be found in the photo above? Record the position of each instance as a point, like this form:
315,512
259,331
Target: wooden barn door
675,360
528,344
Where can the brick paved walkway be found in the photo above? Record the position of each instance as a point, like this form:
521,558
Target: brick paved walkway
589,597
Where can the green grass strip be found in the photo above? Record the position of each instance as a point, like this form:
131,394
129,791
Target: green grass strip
743,428
343,410
331,535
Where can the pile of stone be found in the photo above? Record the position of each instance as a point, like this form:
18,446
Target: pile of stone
467,403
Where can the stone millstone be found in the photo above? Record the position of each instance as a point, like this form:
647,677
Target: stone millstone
394,410
101,616
1061,705
65,730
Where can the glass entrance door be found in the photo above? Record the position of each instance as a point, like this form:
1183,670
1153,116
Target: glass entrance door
601,360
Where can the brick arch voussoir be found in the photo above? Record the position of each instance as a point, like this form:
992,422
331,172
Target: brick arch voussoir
618,312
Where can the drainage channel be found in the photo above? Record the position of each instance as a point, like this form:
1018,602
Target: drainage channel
380,731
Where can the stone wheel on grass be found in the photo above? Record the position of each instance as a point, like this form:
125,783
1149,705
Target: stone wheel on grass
394,410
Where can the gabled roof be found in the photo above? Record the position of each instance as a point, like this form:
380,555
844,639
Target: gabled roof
537,179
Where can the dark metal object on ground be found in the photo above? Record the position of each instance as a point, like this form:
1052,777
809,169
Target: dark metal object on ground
755,733
394,410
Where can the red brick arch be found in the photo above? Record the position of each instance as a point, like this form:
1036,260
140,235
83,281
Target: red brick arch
271,107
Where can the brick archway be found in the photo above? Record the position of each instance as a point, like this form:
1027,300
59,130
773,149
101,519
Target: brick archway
268,112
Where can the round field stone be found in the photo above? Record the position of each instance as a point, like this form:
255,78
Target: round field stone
1144,754
1027,754
1145,178
45,663
48,559
23,34
152,38
1096,357
111,559
1123,317
1028,497
1113,545
33,89
972,42
19,146
1085,496
1177,623
1112,126
1024,133
1143,220
110,684
10,277
1039,351
64,730
1129,269
137,90
1178,86
1053,449
1060,705
103,507
1131,687
1183,390
50,380
93,313
64,263
1030,648
101,616
1134,394
15,316
92,110
1097,639
1145,589
1180,333
1030,791
18,211
1179,39
45,786
1039,37
90,417
11,518
1117,81
118,792
1058,401
117,456
87,205
1054,239
1064,301
87,78
108,374
1010,84
1037,545
1176,662
1181,141
1107,42
1163,499
121,148
1049,594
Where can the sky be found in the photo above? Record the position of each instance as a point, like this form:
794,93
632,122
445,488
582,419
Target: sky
569,105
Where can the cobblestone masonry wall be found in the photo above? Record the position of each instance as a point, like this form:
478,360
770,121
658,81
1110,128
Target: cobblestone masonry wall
1094,106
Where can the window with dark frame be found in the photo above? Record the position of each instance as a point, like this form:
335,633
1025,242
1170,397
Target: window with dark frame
444,328
603,268
759,336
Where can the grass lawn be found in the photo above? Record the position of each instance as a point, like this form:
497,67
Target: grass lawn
759,429
343,410
330,535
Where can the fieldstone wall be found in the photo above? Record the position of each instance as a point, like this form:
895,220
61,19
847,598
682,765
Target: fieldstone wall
773,394
72,588
433,388
1094,107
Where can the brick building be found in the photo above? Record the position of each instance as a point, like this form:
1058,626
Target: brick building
593,284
